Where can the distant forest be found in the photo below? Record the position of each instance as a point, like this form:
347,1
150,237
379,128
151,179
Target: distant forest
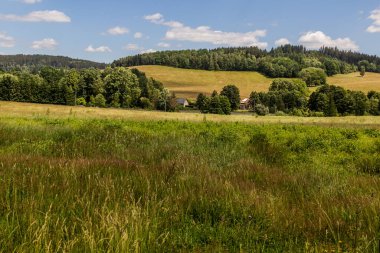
36,62
284,61
111,87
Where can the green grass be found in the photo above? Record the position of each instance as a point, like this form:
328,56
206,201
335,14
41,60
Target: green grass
189,83
79,183
30,111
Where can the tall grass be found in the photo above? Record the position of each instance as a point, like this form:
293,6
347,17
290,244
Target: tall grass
91,185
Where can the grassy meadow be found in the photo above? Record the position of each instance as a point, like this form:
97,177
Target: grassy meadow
99,180
353,81
189,83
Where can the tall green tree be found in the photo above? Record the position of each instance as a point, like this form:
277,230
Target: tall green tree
233,94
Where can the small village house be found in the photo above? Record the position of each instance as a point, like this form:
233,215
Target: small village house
244,104
182,102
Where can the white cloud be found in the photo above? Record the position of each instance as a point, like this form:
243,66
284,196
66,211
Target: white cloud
132,47
180,32
38,16
49,44
101,49
138,35
6,40
375,27
281,42
31,1
118,30
155,18
162,44
148,51
316,40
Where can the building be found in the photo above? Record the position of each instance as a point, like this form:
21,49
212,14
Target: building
182,101
244,104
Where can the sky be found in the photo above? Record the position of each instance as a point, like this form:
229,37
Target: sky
105,30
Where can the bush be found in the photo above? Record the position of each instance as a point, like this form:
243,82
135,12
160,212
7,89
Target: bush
313,76
261,110
100,101
145,103
280,113
81,101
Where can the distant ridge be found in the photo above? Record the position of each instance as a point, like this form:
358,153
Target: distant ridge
284,61
8,62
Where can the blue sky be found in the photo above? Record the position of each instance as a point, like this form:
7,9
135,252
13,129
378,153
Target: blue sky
107,30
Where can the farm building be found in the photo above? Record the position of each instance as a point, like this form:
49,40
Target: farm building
244,104
182,101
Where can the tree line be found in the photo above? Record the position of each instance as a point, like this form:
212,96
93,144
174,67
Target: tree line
34,63
285,61
112,87
292,97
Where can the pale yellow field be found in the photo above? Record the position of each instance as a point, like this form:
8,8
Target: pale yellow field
26,110
353,81
188,83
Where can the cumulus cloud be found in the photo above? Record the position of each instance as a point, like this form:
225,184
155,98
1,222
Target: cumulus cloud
48,43
6,40
101,49
163,44
38,16
118,30
316,40
180,32
375,17
155,18
31,1
138,35
281,42
132,47
148,51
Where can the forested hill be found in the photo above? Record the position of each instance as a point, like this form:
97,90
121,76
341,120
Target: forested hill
35,62
284,61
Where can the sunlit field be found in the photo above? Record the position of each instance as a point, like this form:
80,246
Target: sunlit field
189,83
27,110
353,81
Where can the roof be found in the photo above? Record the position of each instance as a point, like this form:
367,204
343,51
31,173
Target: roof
181,100
244,101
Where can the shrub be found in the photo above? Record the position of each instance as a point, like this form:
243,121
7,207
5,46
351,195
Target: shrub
261,110
81,101
145,103
100,101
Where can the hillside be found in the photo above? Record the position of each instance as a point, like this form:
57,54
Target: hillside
189,83
353,81
37,61
285,61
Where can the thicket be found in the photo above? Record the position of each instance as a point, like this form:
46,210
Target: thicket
112,87
284,61
292,97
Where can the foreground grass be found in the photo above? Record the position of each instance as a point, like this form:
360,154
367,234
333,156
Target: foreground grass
86,184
